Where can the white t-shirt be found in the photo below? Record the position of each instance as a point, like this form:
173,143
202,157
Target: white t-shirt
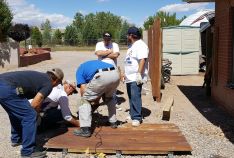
100,46
58,98
138,50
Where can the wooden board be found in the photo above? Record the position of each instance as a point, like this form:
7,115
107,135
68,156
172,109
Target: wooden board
167,108
145,139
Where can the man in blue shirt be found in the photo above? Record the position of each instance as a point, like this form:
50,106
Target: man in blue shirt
15,90
96,79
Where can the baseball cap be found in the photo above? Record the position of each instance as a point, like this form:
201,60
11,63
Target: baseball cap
106,35
57,72
134,31
73,84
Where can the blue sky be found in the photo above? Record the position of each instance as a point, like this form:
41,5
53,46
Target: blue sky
61,12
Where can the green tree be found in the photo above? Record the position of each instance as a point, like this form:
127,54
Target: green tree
90,31
78,23
149,22
167,19
106,21
123,32
57,37
5,20
36,36
70,35
96,24
46,35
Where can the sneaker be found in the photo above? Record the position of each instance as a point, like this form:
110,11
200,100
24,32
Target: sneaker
36,154
16,144
135,123
83,132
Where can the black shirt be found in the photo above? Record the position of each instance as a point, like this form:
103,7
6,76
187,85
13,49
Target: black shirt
31,82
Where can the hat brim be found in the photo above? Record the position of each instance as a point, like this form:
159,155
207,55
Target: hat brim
75,91
52,72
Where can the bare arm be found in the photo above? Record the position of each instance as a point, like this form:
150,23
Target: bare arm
113,55
37,101
102,53
74,122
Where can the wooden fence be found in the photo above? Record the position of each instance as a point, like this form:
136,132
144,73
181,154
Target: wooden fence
155,58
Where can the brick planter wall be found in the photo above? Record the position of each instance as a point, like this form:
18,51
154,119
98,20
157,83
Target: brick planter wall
41,55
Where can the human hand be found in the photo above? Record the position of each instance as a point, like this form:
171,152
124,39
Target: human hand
139,79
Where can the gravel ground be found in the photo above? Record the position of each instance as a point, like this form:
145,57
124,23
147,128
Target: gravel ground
208,129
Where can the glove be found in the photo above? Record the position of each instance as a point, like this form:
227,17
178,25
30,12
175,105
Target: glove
139,79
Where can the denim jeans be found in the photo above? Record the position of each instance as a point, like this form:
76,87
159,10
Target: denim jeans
50,119
22,117
135,102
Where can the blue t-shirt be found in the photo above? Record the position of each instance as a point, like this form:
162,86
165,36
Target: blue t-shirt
31,82
87,70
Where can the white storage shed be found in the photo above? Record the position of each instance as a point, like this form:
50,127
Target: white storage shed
181,45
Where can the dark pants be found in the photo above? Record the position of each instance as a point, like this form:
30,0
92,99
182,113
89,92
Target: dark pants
50,119
22,117
135,102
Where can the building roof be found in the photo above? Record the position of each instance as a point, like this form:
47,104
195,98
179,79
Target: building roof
197,18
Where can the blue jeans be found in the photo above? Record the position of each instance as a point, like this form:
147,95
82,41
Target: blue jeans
22,117
50,118
135,102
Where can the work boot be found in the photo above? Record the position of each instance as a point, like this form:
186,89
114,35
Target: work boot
83,132
35,154
113,124
15,144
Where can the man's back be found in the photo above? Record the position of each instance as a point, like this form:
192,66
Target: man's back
29,82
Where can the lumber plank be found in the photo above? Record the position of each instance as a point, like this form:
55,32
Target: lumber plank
152,139
167,108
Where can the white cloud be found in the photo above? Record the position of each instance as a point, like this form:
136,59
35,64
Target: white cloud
31,15
125,18
16,2
185,7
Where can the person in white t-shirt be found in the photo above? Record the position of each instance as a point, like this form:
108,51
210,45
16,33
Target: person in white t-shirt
136,71
55,107
108,52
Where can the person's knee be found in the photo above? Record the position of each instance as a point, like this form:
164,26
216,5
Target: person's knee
84,106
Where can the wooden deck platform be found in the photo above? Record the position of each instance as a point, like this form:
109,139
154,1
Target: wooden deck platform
145,139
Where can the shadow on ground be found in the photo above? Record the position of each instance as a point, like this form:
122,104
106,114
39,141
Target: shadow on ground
145,112
44,136
213,113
